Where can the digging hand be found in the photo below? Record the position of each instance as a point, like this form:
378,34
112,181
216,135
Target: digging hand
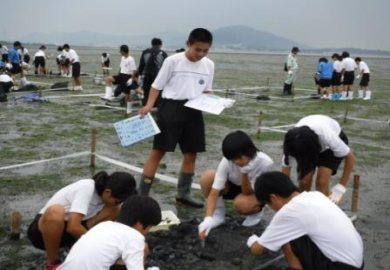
337,193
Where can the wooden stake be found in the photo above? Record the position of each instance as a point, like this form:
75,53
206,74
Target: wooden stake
93,146
16,220
260,119
346,111
355,194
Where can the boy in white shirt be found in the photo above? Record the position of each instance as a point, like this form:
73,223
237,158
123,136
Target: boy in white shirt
313,232
127,67
74,60
318,143
123,240
364,93
336,77
234,180
348,75
105,60
183,76
40,60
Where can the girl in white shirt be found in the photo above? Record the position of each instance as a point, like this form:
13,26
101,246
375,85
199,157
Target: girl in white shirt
122,241
234,180
75,209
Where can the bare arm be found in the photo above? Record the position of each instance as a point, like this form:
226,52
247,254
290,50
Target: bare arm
153,94
286,170
257,249
348,166
74,226
246,185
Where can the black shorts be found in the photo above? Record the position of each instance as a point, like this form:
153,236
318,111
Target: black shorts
311,257
349,77
106,63
179,125
58,61
36,239
16,68
365,79
76,69
329,160
232,191
324,82
336,79
40,61
4,57
6,86
121,79
26,58
66,62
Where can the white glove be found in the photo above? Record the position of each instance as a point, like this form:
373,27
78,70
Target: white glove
206,225
337,193
129,82
358,76
251,240
229,103
153,268
289,72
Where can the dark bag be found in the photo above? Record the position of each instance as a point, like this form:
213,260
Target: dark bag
154,61
285,67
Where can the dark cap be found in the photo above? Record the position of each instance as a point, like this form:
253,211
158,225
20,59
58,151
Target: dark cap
295,49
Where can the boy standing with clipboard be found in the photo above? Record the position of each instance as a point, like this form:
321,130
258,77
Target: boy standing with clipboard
183,76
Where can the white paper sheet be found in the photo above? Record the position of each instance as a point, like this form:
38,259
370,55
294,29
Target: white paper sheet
136,129
210,103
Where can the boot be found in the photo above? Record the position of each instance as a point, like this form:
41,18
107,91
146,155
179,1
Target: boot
289,89
108,94
361,94
285,91
184,191
368,95
145,183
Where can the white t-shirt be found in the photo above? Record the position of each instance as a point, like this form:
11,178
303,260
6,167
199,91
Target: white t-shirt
104,59
4,50
23,52
228,171
40,53
5,78
65,54
328,132
127,65
183,79
314,215
363,66
349,64
79,197
337,66
103,245
73,56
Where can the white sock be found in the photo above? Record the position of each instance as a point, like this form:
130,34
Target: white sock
368,94
129,107
108,94
361,93
344,94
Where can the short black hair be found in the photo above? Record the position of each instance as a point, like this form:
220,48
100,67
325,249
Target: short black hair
303,144
43,47
345,54
17,44
358,59
121,184
124,48
323,59
200,35
104,54
295,49
156,42
66,46
59,49
273,183
142,209
237,144
337,56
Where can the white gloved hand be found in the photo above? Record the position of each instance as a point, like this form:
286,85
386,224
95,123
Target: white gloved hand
229,103
289,72
251,240
153,268
129,82
206,225
358,76
337,193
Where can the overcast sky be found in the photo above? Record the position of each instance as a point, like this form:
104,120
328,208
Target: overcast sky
331,23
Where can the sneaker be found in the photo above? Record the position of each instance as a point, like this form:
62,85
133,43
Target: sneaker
254,219
367,98
117,99
54,265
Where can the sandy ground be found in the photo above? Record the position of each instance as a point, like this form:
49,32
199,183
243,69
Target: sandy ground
34,131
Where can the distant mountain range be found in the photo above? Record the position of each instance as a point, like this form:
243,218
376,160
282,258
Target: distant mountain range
232,38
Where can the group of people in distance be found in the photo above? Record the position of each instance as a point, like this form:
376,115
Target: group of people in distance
342,72
308,225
